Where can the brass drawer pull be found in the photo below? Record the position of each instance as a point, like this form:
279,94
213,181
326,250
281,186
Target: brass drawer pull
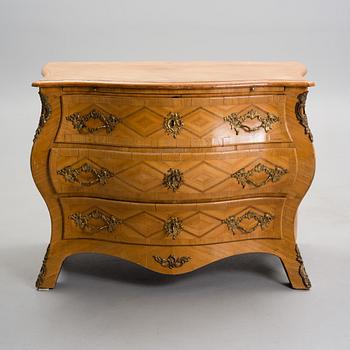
173,123
245,177
173,179
108,122
237,120
85,221
234,222
98,175
171,261
173,226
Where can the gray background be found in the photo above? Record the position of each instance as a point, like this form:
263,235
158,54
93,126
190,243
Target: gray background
239,303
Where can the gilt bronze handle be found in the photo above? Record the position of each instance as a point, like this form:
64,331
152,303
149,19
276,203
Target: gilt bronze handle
98,175
84,221
108,122
234,222
237,121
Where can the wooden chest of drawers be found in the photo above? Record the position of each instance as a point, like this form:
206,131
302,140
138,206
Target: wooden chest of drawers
173,165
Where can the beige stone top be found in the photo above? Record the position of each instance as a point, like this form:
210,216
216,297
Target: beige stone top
155,74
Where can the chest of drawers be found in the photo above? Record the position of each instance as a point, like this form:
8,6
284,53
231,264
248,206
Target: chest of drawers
173,165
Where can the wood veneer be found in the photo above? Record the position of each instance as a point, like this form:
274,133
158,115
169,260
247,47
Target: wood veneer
173,165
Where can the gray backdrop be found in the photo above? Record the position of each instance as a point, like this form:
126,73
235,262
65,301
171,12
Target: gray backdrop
238,303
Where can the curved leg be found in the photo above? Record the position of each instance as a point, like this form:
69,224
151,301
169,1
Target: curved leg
295,270
50,269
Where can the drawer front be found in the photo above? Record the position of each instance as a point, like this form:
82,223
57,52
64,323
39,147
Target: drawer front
172,122
172,176
166,224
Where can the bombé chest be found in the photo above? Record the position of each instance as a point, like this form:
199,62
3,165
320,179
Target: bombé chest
173,165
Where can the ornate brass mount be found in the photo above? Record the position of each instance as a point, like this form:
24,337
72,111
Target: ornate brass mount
237,121
44,115
173,226
233,222
301,114
40,280
83,221
173,124
100,176
173,179
243,177
171,261
108,122
302,271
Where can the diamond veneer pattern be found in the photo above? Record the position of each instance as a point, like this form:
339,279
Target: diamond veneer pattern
200,224
144,122
200,122
144,224
142,177
204,176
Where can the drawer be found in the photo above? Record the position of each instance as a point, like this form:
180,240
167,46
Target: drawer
168,224
172,122
172,177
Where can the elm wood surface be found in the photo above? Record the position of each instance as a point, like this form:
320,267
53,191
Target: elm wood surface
168,231
143,223
141,119
139,176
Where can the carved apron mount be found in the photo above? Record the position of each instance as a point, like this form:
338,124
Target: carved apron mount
171,261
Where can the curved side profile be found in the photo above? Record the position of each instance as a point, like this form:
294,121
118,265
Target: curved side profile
173,184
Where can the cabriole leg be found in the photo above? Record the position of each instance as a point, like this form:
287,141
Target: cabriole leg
50,270
295,270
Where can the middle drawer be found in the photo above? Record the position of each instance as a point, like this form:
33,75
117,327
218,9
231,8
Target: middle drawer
171,177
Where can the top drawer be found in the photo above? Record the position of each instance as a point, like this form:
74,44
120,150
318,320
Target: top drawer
172,122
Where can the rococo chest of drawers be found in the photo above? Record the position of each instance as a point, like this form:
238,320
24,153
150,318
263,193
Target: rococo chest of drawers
173,165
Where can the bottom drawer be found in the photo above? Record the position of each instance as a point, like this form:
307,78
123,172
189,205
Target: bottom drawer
170,224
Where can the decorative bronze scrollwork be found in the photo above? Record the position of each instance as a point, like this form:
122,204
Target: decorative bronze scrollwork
173,123
233,222
171,261
40,280
100,176
108,122
302,271
173,226
83,221
243,177
44,115
236,121
173,179
301,114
